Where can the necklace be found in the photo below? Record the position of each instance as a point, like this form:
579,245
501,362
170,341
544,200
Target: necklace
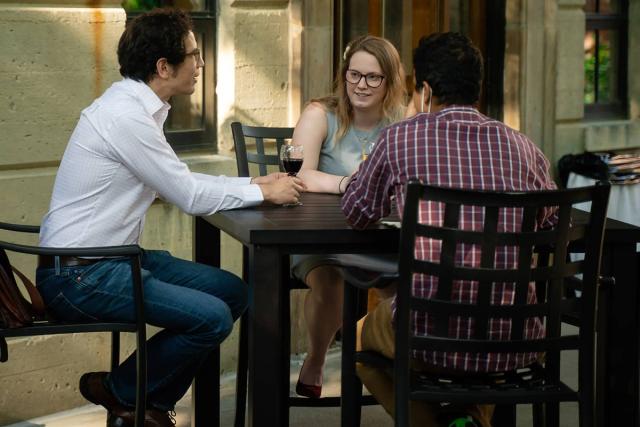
367,140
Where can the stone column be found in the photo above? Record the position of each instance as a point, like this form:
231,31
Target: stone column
253,65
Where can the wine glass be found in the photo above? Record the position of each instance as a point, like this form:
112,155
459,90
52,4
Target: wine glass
291,157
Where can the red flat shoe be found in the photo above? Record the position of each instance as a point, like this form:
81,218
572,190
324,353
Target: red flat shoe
307,390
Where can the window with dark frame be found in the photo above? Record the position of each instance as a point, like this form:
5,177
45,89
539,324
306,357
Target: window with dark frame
605,59
191,123
404,22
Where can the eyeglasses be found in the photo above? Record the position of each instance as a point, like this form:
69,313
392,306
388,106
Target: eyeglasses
195,53
372,80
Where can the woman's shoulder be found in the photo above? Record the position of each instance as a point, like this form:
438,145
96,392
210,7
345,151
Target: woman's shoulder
315,107
314,112
327,103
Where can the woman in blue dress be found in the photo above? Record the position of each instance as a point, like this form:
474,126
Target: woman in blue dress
337,133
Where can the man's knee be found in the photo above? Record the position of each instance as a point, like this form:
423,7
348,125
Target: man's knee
238,292
216,325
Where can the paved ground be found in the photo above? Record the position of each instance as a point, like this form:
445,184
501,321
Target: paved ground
372,416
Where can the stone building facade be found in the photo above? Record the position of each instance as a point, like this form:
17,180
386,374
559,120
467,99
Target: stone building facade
56,56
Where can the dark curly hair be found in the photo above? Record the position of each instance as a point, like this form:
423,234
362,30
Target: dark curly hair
451,65
149,37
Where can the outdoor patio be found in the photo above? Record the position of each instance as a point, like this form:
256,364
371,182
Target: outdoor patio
372,416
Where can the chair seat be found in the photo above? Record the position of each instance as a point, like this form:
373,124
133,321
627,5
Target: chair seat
436,389
524,385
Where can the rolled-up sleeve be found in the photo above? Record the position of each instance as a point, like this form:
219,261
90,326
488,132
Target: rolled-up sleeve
368,196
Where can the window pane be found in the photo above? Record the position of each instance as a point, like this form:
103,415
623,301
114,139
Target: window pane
138,5
589,67
187,110
398,28
356,19
142,5
608,69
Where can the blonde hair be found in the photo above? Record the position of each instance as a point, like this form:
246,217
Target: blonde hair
395,97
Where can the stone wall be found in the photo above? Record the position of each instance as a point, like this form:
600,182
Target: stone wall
253,65
544,79
53,61
574,134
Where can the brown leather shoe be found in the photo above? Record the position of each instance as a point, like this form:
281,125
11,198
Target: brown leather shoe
94,389
152,418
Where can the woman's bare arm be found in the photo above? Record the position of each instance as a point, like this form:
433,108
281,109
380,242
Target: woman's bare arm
310,132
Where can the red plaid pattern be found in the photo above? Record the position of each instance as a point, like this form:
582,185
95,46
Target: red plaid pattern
461,148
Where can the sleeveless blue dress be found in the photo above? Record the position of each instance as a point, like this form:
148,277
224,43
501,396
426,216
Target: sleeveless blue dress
337,158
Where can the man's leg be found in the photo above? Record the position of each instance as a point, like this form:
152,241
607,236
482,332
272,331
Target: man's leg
197,314
375,333
197,305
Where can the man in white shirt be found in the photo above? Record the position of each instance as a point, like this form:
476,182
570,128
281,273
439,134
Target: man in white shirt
116,163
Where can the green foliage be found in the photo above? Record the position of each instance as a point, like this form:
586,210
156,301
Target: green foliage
604,87
141,5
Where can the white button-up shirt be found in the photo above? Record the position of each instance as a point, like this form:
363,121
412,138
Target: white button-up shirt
116,163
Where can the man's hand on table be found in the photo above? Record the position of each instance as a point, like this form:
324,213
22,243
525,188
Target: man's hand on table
279,188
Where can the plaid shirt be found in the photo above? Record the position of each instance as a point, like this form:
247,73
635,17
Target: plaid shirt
461,148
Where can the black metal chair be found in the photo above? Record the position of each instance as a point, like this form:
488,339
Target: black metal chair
355,304
51,326
260,157
539,383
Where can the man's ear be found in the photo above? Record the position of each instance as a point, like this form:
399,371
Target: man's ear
164,70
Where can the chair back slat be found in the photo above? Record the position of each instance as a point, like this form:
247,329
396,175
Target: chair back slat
498,275
547,345
512,272
538,237
260,140
476,310
487,259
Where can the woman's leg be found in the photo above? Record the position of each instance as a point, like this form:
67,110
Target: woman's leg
323,315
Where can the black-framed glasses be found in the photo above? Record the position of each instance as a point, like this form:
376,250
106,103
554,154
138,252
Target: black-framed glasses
372,79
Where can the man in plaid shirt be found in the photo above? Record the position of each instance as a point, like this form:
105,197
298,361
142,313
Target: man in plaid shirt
447,143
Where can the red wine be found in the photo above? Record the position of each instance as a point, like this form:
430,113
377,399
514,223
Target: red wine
292,166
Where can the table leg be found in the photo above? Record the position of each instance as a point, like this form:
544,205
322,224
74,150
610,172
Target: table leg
268,359
622,364
205,391
351,386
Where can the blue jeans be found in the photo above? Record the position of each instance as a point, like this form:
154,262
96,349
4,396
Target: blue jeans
195,303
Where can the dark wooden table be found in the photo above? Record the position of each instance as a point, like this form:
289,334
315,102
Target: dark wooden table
619,397
271,234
